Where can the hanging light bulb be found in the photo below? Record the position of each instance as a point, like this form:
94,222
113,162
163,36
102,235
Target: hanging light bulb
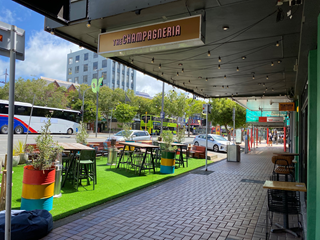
271,64
222,86
52,32
272,89
189,81
177,74
183,84
259,83
237,69
267,77
201,89
279,61
243,57
266,89
160,66
162,74
207,79
263,84
219,60
182,70
89,24
219,67
132,61
225,76
152,60
209,54
253,77
227,86
277,44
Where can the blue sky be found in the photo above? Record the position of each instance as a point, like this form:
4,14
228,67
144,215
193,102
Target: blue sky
46,54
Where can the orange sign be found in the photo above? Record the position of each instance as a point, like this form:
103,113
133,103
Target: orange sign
287,106
1,37
180,33
218,130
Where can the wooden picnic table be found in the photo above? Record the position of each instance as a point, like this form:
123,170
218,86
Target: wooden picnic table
148,147
73,148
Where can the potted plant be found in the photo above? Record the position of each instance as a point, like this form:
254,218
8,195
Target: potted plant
82,135
180,135
39,176
20,150
15,158
167,153
126,133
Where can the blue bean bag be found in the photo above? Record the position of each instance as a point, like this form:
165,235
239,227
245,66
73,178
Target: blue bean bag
27,224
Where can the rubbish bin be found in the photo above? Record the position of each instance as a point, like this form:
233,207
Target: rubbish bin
233,153
58,179
112,156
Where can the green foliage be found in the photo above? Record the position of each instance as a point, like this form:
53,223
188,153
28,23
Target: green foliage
48,149
126,131
167,138
180,135
125,113
82,135
19,147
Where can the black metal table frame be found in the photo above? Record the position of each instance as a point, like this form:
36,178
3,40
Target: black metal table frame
181,156
73,153
143,161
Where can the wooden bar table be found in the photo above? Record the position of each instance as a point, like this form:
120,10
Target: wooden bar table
148,147
285,187
286,154
73,148
180,145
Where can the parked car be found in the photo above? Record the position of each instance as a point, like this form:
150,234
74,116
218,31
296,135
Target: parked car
215,142
136,135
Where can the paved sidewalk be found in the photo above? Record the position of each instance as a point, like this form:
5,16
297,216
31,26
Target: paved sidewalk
223,203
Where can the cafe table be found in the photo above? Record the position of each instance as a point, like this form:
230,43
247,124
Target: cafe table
73,148
148,147
285,187
286,154
180,145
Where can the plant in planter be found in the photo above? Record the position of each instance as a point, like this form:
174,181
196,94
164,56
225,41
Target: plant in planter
167,153
82,135
126,133
180,135
15,158
19,148
39,177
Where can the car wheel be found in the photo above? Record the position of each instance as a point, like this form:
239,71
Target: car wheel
4,129
216,148
196,144
18,130
69,131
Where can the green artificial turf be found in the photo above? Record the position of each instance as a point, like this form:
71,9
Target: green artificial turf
112,183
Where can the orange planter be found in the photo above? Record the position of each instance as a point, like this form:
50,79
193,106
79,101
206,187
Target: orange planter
37,177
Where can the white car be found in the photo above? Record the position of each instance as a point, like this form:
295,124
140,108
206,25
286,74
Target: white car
215,142
136,135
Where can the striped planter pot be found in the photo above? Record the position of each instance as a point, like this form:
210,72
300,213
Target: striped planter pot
37,189
167,162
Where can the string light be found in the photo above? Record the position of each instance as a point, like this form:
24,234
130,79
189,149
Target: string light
177,74
222,86
132,61
152,60
183,84
225,76
162,74
271,64
180,64
209,54
263,84
225,28
89,24
182,70
207,79
267,77
201,89
259,83
227,86
199,77
279,61
237,69
253,77
244,57
219,60
189,81
52,32
266,89
160,66
219,67
277,44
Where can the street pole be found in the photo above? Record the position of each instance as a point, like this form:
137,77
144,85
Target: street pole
145,123
207,111
97,114
162,106
234,123
10,133
110,124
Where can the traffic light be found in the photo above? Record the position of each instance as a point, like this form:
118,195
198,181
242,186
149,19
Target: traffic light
101,84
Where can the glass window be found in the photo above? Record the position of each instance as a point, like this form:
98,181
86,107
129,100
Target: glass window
95,75
76,80
95,65
4,108
104,63
70,60
22,110
95,55
104,75
76,69
85,78
77,58
69,80
85,67
132,76
86,56
40,112
70,71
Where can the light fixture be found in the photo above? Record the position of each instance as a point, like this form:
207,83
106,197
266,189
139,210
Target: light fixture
266,89
255,99
209,54
132,61
89,24
199,77
259,83
279,61
225,28
222,86
182,70
206,79
201,89
236,93
227,86
177,74
263,95
237,69
277,44
271,64
180,64
272,89
267,77
189,81
253,77
162,74
219,60
183,84
225,76
219,67
243,57
263,84
264,92
52,32
160,66
152,60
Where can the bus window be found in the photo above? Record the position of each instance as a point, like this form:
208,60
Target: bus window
4,108
22,110
40,112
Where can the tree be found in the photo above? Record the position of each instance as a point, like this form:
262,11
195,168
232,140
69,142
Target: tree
177,104
193,107
125,113
221,114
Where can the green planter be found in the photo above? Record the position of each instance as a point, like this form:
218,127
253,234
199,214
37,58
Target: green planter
167,162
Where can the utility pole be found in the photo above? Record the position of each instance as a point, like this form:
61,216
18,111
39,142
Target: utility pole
5,77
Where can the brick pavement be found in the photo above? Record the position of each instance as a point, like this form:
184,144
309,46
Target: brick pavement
194,206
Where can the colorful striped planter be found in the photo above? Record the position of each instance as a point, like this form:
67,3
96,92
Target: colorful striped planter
167,162
37,189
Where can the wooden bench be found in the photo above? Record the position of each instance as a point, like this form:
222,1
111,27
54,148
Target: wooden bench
199,152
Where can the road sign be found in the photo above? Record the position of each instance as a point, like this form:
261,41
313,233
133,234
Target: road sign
5,43
162,115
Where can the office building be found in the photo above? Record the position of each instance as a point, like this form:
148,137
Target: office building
85,65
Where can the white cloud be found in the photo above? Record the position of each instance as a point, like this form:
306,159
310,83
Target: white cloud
7,16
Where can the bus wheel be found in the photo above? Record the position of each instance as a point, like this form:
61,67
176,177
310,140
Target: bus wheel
4,129
18,130
69,131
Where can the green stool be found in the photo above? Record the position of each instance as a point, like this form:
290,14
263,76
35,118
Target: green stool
85,168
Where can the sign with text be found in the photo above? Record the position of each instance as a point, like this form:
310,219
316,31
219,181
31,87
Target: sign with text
218,130
287,106
182,33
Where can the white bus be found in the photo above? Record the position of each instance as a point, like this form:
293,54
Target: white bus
62,120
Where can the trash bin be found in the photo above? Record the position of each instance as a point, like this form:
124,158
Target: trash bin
112,156
58,179
233,153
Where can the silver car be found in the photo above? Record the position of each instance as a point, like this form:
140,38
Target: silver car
215,142
136,135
